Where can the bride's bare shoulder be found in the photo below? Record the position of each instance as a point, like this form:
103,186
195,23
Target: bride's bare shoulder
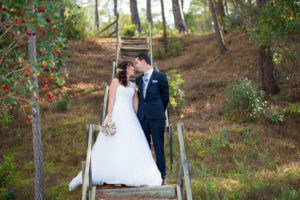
114,82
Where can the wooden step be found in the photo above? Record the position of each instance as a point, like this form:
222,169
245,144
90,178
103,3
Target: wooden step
134,48
160,192
134,43
138,46
134,39
131,54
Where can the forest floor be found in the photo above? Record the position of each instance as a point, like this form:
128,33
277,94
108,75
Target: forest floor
230,160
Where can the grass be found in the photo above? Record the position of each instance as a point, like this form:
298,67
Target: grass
241,162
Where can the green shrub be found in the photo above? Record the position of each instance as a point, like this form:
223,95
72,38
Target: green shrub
7,174
289,193
74,22
273,115
293,109
63,104
234,21
177,97
129,30
242,100
60,79
175,48
5,117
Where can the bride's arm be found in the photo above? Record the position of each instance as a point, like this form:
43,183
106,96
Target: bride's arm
135,100
112,96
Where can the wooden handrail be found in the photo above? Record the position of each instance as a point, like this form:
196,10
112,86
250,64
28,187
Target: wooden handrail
104,105
107,27
184,162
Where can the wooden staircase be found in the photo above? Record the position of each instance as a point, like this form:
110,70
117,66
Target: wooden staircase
130,48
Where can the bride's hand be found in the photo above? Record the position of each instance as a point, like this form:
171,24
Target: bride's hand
108,120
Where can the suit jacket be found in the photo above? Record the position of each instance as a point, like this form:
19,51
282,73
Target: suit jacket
157,97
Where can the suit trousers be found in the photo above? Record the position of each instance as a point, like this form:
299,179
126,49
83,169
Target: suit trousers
156,128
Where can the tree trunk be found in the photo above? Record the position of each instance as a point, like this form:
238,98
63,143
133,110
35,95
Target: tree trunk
266,65
226,7
135,19
115,7
178,16
220,9
164,25
269,83
149,13
62,13
221,44
36,123
96,15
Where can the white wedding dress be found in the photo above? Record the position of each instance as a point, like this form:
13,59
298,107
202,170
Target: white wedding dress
124,158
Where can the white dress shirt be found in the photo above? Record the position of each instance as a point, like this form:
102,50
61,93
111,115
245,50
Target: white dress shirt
147,75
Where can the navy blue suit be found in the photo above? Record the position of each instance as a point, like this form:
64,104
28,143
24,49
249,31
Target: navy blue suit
151,113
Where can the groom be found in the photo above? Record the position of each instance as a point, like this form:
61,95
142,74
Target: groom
153,100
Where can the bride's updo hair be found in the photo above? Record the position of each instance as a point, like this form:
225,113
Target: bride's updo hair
122,72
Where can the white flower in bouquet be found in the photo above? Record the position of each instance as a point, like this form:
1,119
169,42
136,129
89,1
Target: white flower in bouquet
108,128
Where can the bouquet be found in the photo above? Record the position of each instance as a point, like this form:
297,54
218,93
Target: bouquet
108,128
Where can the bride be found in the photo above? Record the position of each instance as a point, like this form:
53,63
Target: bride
124,158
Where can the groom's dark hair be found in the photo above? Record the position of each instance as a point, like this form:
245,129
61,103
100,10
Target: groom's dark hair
145,57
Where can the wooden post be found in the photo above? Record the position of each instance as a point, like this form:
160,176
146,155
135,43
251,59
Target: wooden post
179,195
171,146
189,165
184,162
118,39
181,182
104,102
91,139
90,180
113,70
156,67
87,164
93,195
150,38
82,172
87,134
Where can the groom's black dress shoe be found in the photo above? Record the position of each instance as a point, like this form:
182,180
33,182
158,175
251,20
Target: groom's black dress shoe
164,182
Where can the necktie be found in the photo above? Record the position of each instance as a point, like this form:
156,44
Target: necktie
145,83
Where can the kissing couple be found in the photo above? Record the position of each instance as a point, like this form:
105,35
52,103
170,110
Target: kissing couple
138,111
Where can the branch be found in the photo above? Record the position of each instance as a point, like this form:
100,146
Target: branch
7,31
15,44
19,70
17,98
